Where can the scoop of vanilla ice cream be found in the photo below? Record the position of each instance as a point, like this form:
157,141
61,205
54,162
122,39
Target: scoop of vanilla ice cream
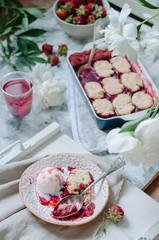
49,180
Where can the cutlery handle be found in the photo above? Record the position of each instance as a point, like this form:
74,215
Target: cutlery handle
115,166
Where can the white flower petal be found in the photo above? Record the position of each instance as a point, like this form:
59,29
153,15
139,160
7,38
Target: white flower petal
120,142
124,13
147,133
130,31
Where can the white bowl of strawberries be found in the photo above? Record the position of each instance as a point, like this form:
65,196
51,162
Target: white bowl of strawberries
77,17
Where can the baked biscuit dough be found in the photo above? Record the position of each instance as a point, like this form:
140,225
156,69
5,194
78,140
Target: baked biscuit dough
103,107
103,68
94,90
123,104
112,85
142,100
121,64
132,81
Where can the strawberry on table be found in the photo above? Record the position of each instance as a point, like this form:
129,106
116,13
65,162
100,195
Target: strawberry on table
53,60
61,13
47,49
78,20
115,214
90,19
99,11
62,50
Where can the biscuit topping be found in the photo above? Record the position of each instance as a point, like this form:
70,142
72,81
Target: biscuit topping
132,81
94,90
103,107
103,68
121,64
142,100
123,104
112,85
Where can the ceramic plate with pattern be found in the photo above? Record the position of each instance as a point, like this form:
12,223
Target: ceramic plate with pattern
62,160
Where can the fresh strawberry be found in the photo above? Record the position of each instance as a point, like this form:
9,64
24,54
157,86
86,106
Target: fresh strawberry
78,2
90,19
99,11
69,19
53,60
47,49
91,1
62,2
115,214
62,50
90,6
69,7
99,2
83,11
61,13
78,20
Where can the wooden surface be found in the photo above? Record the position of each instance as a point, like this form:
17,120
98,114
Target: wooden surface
152,189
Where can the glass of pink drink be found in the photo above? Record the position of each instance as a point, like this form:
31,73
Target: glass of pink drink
17,88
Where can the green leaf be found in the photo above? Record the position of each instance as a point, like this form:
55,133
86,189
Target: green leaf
9,46
6,31
17,3
3,20
22,45
32,45
36,32
148,5
11,23
131,126
104,230
25,61
25,22
34,12
2,2
39,59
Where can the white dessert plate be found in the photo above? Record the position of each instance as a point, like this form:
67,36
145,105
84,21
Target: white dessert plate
28,180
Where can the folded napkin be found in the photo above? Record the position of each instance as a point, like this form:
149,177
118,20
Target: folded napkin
18,223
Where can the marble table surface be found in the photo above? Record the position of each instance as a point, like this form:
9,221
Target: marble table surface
12,129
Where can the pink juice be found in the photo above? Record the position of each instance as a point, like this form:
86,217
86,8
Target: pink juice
18,95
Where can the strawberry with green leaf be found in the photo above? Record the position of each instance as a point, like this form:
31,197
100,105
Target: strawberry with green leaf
90,19
115,214
69,19
69,7
62,50
53,60
61,13
78,20
83,10
99,11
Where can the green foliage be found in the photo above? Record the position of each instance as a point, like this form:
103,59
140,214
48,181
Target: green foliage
147,4
13,17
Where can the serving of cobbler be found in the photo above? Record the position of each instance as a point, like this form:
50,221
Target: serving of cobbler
53,184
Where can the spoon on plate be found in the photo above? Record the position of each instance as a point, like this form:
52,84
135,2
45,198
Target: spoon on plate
71,204
98,25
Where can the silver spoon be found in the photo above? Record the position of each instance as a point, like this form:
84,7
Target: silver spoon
98,25
75,202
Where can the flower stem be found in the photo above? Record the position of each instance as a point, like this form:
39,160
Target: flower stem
9,63
146,20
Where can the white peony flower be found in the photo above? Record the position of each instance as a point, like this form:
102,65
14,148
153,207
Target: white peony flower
49,88
121,37
50,93
140,148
